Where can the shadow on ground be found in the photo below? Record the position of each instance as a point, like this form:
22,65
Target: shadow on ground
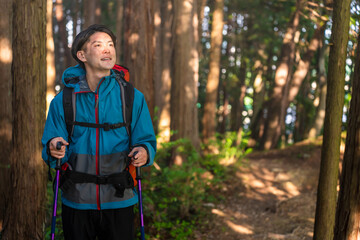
271,196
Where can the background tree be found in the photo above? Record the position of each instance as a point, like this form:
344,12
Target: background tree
330,152
162,70
209,115
5,99
184,93
25,212
282,77
50,55
139,50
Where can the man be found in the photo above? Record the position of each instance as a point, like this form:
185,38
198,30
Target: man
95,208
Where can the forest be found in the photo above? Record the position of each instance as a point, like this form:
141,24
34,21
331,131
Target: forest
255,106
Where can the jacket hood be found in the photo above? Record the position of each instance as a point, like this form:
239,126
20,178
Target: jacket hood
73,75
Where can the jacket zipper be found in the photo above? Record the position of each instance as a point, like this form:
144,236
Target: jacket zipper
97,143
97,149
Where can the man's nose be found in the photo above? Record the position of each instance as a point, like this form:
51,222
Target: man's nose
106,49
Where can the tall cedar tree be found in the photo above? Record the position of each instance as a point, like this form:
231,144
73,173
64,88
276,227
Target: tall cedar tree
5,99
300,74
184,89
50,55
63,34
25,213
330,152
162,70
212,85
139,50
347,213
321,94
282,77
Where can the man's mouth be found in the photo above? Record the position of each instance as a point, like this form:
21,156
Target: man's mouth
106,59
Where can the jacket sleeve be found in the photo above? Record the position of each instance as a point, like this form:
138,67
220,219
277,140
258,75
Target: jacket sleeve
54,127
142,131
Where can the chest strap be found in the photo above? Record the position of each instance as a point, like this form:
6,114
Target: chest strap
105,126
120,180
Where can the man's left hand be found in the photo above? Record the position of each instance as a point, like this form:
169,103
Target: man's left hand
140,158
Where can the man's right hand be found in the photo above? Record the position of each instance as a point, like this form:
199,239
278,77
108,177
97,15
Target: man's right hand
52,147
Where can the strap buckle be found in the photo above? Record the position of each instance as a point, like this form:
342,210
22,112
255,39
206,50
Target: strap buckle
101,179
107,127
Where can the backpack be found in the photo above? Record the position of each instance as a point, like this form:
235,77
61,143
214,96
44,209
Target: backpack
127,98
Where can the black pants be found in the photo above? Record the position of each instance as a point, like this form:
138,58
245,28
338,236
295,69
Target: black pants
109,224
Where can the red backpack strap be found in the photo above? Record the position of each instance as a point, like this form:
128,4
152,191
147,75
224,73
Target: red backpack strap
125,70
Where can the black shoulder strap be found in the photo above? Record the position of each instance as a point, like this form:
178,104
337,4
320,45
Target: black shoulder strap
127,98
69,109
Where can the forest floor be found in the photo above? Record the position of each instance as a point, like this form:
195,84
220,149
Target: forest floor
271,195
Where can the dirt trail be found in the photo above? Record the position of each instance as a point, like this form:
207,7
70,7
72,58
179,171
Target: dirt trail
273,196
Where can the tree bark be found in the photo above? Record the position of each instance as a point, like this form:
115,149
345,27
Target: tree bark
184,90
25,213
162,73
347,212
119,30
330,153
63,34
304,64
321,98
200,12
6,57
50,55
282,76
139,49
92,12
297,79
212,85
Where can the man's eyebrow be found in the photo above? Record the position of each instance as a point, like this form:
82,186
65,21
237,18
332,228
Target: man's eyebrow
98,41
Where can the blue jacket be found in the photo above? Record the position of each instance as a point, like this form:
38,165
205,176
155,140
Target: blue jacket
93,150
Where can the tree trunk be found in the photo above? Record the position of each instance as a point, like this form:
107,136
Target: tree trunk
321,99
25,213
75,17
162,74
303,120
139,50
330,154
347,213
225,111
212,85
50,55
92,12
298,78
5,98
63,34
282,77
119,30
240,106
200,12
184,90
260,93
304,64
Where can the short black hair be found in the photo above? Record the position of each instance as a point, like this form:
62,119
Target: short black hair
84,36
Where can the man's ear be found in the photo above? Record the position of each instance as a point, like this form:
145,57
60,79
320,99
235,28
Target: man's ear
81,55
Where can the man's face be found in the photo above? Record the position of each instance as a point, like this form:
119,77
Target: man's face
98,54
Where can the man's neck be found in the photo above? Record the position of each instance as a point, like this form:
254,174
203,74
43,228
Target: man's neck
93,78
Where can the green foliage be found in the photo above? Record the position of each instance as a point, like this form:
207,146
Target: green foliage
174,204
177,193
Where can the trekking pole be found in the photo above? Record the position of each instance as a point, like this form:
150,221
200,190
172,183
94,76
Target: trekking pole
57,168
138,179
